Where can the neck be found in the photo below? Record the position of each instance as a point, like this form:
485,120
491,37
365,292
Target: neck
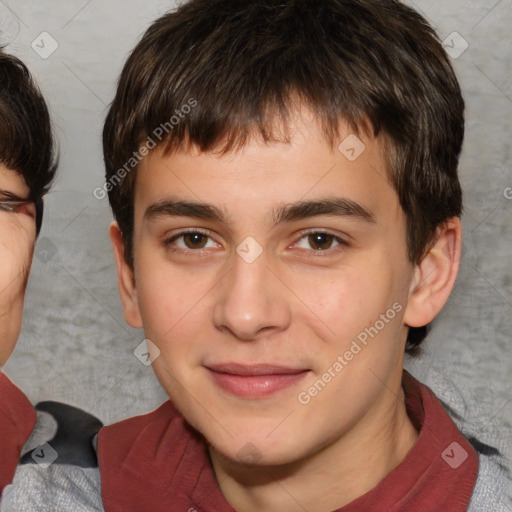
331,477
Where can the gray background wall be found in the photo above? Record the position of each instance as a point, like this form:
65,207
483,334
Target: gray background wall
75,346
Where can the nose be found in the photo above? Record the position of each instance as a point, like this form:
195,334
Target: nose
252,301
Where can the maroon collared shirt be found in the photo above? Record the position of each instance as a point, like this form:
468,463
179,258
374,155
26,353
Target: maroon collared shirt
158,463
17,419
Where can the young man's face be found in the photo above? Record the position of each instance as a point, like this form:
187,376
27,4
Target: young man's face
17,235
250,310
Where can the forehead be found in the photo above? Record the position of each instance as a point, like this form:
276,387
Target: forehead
260,178
12,181
306,165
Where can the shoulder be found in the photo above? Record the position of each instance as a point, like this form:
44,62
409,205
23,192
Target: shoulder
158,456
142,437
58,469
127,431
492,488
487,436
17,419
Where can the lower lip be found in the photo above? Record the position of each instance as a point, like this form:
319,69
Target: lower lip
255,386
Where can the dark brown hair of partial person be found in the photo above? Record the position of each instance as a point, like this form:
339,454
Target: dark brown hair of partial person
375,64
26,140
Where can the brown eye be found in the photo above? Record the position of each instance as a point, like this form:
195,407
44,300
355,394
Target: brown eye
195,240
190,241
321,241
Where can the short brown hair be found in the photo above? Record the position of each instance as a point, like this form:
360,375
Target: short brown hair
367,62
26,139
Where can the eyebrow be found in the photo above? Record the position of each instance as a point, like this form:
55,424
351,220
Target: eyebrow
331,206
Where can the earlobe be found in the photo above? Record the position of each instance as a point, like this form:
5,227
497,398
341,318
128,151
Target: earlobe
434,277
125,279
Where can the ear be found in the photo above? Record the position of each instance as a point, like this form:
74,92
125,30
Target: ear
434,277
125,279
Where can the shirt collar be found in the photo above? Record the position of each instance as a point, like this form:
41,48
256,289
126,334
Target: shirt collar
17,419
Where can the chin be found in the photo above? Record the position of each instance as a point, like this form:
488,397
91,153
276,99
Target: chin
255,454
254,447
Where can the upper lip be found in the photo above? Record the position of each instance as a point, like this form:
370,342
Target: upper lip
256,369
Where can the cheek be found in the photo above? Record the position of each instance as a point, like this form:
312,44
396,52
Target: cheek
344,300
174,319
15,259
172,304
356,310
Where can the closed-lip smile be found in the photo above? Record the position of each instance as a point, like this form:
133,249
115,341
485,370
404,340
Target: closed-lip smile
254,380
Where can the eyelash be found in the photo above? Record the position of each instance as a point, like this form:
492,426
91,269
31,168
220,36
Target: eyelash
343,244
